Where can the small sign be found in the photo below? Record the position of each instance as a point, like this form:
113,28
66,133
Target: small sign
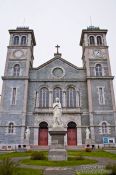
111,140
105,140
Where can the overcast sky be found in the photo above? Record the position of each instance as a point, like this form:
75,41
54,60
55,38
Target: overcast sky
57,22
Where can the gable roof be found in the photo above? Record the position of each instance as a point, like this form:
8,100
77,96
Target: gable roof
55,58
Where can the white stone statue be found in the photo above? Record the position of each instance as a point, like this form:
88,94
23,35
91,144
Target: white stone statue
87,133
27,133
57,113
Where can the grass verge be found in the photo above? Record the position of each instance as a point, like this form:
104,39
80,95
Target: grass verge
97,153
57,163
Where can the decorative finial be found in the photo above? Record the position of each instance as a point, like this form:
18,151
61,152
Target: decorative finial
91,21
57,48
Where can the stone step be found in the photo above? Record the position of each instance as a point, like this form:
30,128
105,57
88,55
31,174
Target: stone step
36,147
59,172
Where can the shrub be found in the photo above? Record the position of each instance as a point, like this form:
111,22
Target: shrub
88,149
8,167
112,168
78,157
38,156
29,151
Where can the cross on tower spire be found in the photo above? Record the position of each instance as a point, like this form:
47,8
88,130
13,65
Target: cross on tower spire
57,48
57,54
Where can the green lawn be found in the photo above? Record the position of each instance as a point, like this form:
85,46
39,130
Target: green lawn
97,153
57,163
18,154
14,154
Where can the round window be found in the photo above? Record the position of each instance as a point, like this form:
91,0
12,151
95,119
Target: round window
58,72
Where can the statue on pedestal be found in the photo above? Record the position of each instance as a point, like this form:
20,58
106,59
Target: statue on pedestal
27,133
87,133
57,113
57,149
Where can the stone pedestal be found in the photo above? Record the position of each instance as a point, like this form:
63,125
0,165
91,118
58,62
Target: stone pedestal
88,142
57,150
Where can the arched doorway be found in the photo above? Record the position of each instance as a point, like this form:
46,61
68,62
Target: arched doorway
43,134
71,134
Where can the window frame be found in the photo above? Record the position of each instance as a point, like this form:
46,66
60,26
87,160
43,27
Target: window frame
11,128
44,97
16,72
101,95
15,41
93,40
98,70
71,98
58,94
106,129
101,40
22,41
14,96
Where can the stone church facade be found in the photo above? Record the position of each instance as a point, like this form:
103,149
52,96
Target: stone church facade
86,93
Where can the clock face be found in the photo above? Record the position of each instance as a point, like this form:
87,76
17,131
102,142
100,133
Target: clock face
18,53
97,53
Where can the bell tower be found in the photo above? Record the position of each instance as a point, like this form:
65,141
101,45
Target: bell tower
101,101
15,83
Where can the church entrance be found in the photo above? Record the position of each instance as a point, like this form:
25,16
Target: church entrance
72,134
43,134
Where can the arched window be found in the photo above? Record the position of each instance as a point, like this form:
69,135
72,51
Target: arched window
91,40
57,92
43,125
104,128
23,40
16,71
71,125
16,40
44,98
71,97
14,94
101,95
11,127
99,40
98,70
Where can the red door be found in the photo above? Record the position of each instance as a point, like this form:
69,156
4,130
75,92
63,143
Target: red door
43,136
72,136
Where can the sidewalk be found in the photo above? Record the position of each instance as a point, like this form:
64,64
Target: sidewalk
59,171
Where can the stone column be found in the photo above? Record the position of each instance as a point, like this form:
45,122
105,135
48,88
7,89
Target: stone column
92,128
22,134
77,99
64,99
50,98
36,135
49,139
79,135
37,100
65,139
